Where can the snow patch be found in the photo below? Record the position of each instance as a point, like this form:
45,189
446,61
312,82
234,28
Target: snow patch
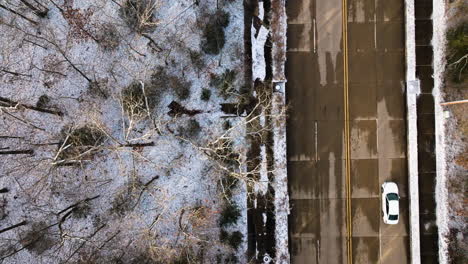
262,184
258,52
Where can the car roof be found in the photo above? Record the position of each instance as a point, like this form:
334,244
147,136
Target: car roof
393,207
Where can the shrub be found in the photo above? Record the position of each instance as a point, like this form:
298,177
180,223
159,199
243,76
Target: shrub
229,215
228,183
182,89
3,210
79,141
223,236
206,94
213,35
91,258
231,259
82,210
224,83
161,81
457,252
86,136
125,199
133,100
143,257
197,59
187,256
457,41
43,101
98,88
227,125
233,239
223,151
139,15
192,129
108,36
133,96
37,239
219,258
121,204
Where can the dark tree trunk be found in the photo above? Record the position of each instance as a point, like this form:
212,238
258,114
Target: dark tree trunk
138,145
13,226
37,11
15,73
5,102
177,110
18,14
78,203
17,152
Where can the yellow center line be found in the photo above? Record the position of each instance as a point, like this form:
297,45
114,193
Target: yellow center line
349,230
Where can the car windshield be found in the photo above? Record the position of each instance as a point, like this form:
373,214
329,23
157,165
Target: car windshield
392,196
393,217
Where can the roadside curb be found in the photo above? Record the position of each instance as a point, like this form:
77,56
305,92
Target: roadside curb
412,92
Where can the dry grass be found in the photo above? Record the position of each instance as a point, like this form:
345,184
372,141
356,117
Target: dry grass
139,15
78,143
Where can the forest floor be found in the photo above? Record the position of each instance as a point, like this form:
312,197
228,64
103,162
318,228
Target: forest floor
114,146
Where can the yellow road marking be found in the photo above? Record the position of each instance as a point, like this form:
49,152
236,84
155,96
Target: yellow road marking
349,231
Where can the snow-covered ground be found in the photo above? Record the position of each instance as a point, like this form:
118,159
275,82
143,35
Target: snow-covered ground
159,202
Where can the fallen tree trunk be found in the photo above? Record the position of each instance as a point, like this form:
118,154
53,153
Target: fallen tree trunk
5,102
13,226
17,152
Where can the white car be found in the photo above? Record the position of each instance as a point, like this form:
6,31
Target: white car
390,203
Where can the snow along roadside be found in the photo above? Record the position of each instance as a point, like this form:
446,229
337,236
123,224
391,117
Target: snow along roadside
441,195
278,36
280,184
412,92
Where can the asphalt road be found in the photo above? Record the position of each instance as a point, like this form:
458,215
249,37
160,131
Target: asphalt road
346,129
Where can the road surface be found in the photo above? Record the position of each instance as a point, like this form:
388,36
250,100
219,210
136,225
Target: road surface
346,130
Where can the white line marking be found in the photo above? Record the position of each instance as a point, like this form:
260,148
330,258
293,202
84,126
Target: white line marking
316,142
315,36
375,29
